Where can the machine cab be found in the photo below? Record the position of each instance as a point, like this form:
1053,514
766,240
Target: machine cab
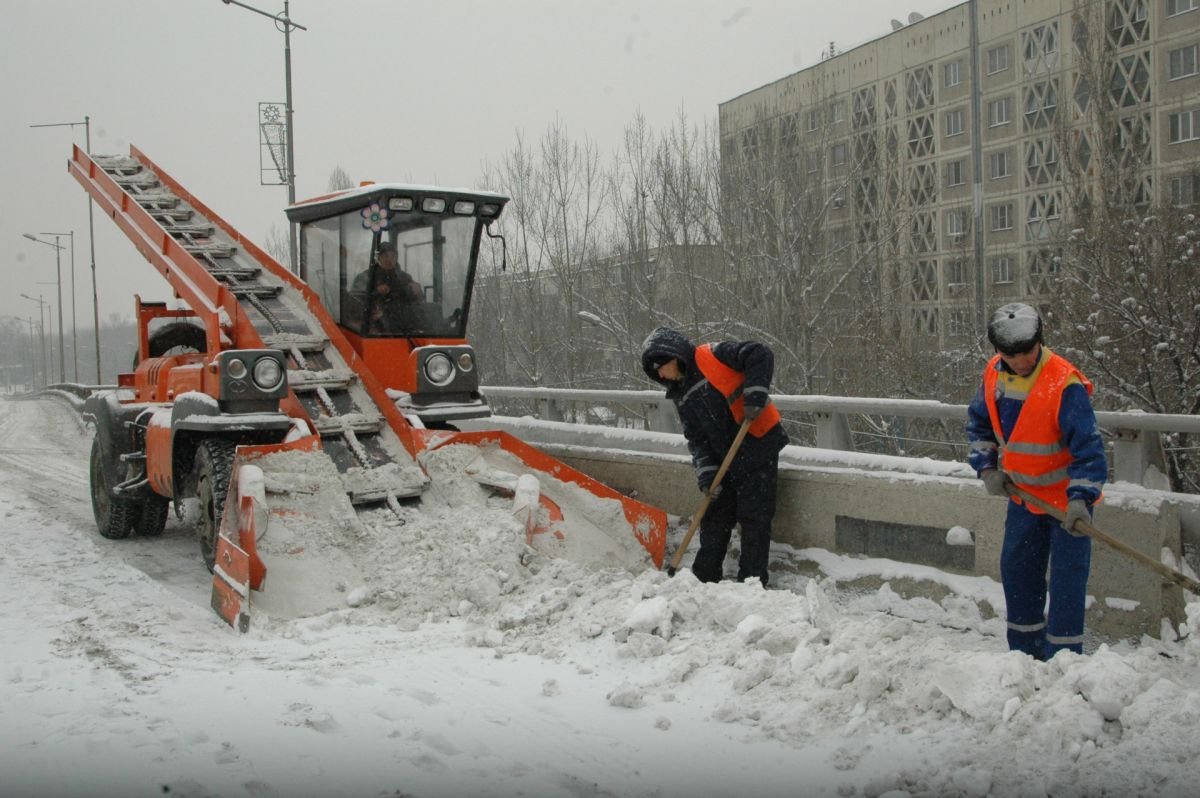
394,265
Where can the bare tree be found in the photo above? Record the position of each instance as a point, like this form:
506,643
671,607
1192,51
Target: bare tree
277,245
339,179
1123,274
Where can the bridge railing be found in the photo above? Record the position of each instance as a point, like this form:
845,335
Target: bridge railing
1137,452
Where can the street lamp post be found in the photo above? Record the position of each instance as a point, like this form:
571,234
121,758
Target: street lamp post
41,331
284,24
58,248
74,334
87,144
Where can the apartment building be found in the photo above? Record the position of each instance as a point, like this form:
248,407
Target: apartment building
943,143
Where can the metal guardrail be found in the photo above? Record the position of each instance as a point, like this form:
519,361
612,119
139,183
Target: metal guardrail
1137,447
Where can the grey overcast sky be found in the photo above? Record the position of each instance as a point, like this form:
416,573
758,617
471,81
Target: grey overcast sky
391,90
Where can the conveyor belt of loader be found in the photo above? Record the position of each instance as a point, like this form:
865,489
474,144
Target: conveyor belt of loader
376,466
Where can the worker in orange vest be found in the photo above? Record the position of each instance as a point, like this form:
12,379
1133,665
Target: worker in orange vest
714,388
1031,424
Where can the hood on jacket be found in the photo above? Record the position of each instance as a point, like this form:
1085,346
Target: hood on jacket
666,344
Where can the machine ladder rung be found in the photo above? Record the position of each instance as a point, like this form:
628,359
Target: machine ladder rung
300,380
212,250
329,426
173,214
289,341
141,178
256,290
201,230
235,272
159,199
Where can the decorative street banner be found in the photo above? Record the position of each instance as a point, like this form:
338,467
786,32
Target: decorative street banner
272,144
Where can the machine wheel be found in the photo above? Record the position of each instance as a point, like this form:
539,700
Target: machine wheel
175,338
114,516
214,463
151,517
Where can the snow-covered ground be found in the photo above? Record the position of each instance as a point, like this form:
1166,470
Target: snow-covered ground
469,667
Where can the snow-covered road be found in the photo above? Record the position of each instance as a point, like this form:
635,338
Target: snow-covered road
466,672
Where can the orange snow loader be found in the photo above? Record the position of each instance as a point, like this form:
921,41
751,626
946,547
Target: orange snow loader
362,358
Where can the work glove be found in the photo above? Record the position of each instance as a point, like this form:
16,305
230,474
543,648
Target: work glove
996,481
1077,510
752,412
709,490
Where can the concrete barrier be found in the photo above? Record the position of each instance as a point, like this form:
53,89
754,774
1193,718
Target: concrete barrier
893,507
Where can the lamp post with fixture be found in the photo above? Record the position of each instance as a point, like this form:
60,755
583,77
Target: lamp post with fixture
87,143
283,23
41,332
58,248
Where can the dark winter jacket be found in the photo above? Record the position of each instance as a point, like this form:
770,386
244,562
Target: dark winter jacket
708,424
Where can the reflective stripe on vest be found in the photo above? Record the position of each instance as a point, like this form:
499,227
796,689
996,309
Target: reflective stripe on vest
1034,455
729,382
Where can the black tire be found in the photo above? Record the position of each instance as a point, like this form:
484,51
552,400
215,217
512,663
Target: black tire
176,338
151,518
114,516
214,463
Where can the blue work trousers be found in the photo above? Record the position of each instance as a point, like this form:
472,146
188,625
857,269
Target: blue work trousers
1031,541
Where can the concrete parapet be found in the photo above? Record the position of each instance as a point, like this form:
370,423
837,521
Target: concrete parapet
898,508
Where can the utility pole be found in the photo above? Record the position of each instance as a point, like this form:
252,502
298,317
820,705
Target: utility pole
74,327
284,24
41,333
87,144
58,248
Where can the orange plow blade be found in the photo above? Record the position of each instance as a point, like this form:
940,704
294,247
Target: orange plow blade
238,568
565,512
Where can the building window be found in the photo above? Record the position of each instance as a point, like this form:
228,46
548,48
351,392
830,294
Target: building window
1041,100
814,120
1181,6
997,59
1185,190
998,165
959,324
954,123
750,144
838,113
839,154
953,74
1184,126
1002,216
954,173
1001,269
956,272
924,280
1181,63
1000,112
814,162
956,223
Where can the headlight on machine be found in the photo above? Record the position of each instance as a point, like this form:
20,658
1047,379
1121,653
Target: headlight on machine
466,362
267,373
438,369
235,367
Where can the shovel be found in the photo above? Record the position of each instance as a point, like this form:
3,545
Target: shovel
708,497
1170,574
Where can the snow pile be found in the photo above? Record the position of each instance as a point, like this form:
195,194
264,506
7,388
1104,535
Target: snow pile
437,654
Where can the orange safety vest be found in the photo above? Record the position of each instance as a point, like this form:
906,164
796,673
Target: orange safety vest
729,382
1034,455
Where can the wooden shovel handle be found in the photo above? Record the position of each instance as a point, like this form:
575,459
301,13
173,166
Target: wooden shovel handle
708,497
1086,528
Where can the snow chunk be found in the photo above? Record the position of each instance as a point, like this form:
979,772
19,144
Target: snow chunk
959,536
651,616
